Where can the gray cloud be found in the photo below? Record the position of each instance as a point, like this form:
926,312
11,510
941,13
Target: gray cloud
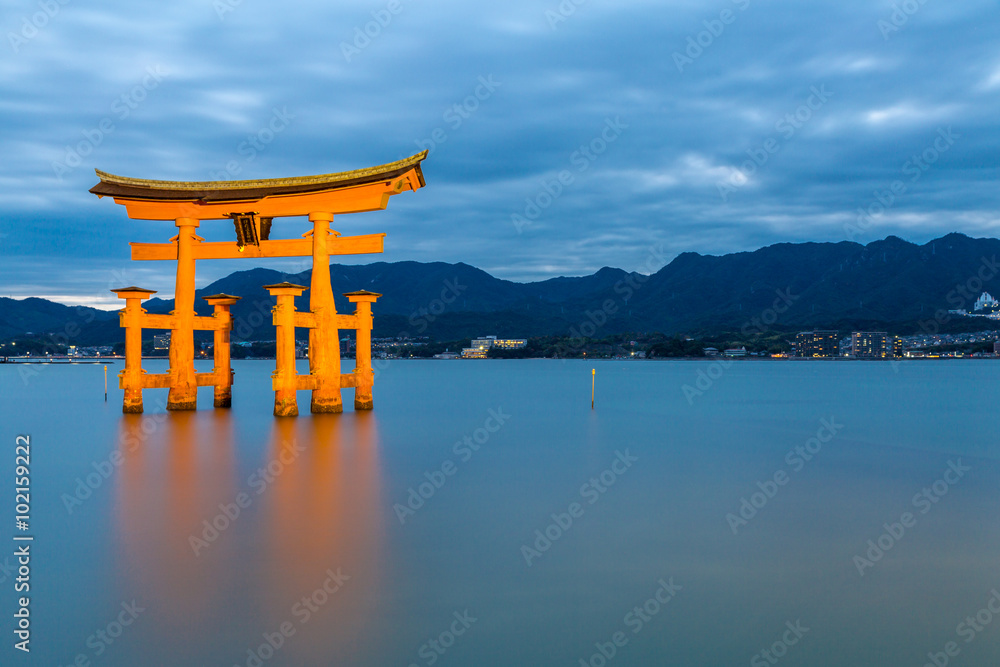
183,85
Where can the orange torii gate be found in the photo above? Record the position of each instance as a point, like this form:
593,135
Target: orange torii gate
252,206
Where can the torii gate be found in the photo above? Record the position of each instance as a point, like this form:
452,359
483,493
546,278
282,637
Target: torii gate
252,205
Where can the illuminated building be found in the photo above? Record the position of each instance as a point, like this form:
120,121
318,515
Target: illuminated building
510,343
479,347
986,302
817,344
870,345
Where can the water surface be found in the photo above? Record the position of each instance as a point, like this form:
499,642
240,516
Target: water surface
317,532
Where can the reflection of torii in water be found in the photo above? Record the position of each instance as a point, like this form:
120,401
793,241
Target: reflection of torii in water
252,205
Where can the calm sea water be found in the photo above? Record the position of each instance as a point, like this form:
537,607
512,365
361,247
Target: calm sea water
483,514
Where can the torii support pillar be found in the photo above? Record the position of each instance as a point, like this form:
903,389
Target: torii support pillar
183,383
364,377
284,381
130,319
324,339
223,368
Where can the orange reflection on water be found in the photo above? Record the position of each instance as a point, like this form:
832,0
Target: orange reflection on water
176,469
306,501
324,528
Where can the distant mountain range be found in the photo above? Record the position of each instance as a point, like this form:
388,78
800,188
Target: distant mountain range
890,284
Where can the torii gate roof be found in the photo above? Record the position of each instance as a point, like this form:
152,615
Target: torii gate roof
159,200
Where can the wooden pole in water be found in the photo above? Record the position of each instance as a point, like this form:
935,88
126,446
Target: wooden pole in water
593,379
105,383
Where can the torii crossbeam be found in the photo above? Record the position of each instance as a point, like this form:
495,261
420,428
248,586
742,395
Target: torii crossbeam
252,205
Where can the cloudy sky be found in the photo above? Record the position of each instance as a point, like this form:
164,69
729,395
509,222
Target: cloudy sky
564,136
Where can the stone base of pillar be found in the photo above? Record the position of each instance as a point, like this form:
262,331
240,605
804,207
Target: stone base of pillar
285,407
363,398
133,401
224,400
179,399
326,402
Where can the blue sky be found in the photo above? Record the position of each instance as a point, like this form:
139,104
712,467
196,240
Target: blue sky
575,135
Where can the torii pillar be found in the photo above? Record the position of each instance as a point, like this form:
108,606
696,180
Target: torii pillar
183,384
364,376
324,340
284,380
223,367
130,319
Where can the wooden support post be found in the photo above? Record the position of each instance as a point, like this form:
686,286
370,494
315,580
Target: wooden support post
284,379
183,384
130,319
324,340
364,377
223,368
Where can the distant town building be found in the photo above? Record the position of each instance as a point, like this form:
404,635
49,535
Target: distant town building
710,351
897,347
986,302
485,342
870,345
817,344
161,341
479,347
736,352
510,343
